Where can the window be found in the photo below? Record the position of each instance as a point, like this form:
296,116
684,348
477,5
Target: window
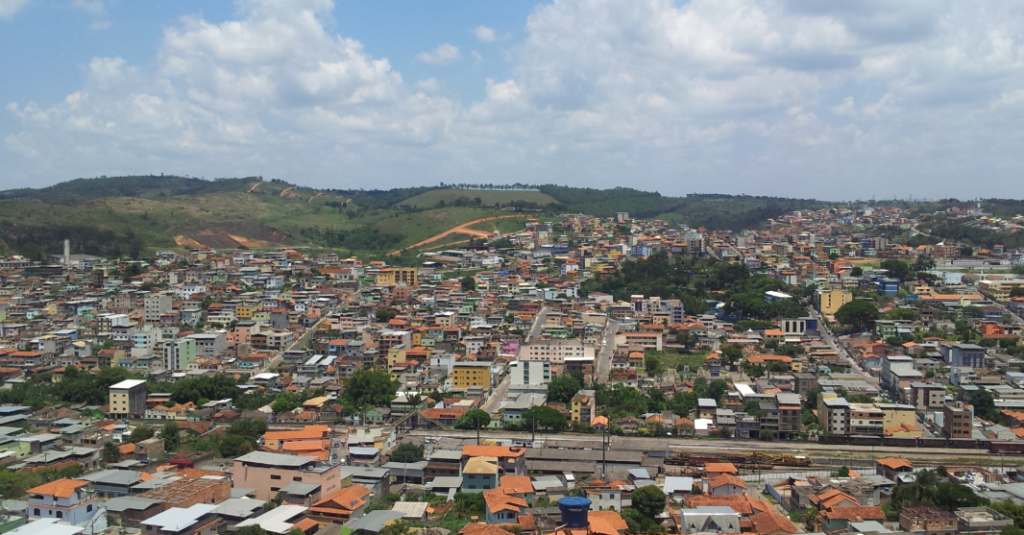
275,489
275,477
297,478
60,514
35,512
88,508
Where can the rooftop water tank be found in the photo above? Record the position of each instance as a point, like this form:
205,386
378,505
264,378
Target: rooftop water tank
574,511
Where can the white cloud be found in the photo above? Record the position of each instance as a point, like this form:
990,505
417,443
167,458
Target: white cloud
8,8
441,55
93,7
796,97
484,34
430,85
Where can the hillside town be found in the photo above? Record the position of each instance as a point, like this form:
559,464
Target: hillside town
582,375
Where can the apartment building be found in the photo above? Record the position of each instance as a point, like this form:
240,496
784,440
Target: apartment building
833,414
470,374
866,419
178,354
268,473
829,301
128,399
154,305
555,351
530,372
957,420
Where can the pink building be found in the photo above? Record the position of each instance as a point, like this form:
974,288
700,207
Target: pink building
270,472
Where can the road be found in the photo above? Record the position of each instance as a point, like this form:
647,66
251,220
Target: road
829,339
604,355
460,229
500,392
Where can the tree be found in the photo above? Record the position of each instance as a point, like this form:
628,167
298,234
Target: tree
407,452
139,434
248,427
171,435
251,530
896,269
649,501
369,387
561,389
468,284
858,314
546,418
923,263
766,435
398,527
857,271
984,404
111,453
385,315
731,354
842,471
234,446
472,419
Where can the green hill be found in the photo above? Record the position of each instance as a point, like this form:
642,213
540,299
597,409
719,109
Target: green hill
468,197
113,216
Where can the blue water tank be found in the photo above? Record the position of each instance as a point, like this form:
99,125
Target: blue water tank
574,511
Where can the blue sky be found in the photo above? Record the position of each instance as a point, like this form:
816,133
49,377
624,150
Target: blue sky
790,97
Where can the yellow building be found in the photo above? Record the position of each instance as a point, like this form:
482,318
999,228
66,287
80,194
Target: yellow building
999,290
396,275
470,374
243,312
829,301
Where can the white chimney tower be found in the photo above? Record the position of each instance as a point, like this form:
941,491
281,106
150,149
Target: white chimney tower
67,253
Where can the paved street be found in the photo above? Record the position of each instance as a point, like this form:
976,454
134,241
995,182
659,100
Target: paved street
604,355
829,339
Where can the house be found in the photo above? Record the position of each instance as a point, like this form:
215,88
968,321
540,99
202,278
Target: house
503,505
839,518
726,484
709,519
511,460
65,500
342,506
893,467
199,519
716,469
480,474
772,523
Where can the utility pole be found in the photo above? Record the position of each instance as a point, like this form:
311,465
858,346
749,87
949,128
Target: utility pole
477,431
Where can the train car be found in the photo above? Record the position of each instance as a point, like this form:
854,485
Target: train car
932,442
1006,447
963,443
861,440
900,442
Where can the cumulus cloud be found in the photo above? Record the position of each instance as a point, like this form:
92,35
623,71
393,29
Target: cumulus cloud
441,55
796,97
8,8
484,34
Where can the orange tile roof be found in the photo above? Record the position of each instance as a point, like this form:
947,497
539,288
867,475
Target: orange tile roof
728,468
771,522
894,463
727,479
501,500
61,488
519,484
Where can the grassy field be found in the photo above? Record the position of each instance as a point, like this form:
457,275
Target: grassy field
671,359
431,199
505,226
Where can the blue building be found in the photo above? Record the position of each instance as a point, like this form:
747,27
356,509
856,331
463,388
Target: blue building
887,286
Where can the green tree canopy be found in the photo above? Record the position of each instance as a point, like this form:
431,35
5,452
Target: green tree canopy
546,418
139,434
858,314
171,435
896,269
649,501
473,419
468,284
369,388
561,389
407,452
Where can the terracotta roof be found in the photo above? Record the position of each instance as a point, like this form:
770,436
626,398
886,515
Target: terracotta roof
772,522
518,484
726,479
61,488
492,451
864,512
613,518
500,499
347,499
894,463
728,468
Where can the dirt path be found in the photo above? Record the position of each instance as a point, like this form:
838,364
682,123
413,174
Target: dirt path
254,186
461,229
284,192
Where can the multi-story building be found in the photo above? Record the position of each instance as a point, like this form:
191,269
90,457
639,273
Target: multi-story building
268,473
555,351
866,419
210,344
782,416
927,396
156,304
530,372
470,374
957,420
829,301
980,521
999,289
583,406
833,414
128,399
178,354
963,355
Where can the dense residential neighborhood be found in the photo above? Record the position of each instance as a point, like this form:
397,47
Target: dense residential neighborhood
579,375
